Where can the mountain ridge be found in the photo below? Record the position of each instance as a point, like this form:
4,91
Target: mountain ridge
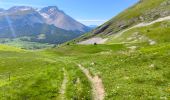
52,15
21,21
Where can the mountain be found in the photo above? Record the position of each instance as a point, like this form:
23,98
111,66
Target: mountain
20,16
54,16
143,11
21,21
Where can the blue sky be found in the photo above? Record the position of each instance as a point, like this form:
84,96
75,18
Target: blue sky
88,12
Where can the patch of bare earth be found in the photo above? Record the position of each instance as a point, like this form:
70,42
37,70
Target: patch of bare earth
96,82
94,40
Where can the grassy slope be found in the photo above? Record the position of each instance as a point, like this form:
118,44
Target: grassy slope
144,10
131,16
138,10
158,32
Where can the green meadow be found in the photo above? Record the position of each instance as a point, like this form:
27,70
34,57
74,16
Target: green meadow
132,66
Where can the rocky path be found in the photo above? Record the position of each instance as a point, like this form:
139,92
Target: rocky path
96,82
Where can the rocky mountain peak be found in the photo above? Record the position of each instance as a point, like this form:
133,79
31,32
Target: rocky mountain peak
54,16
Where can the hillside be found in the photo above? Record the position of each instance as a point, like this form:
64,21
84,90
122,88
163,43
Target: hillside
143,11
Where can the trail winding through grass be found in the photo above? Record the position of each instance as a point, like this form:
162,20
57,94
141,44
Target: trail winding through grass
63,86
97,85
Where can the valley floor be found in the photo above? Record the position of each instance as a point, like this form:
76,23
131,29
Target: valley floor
54,74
